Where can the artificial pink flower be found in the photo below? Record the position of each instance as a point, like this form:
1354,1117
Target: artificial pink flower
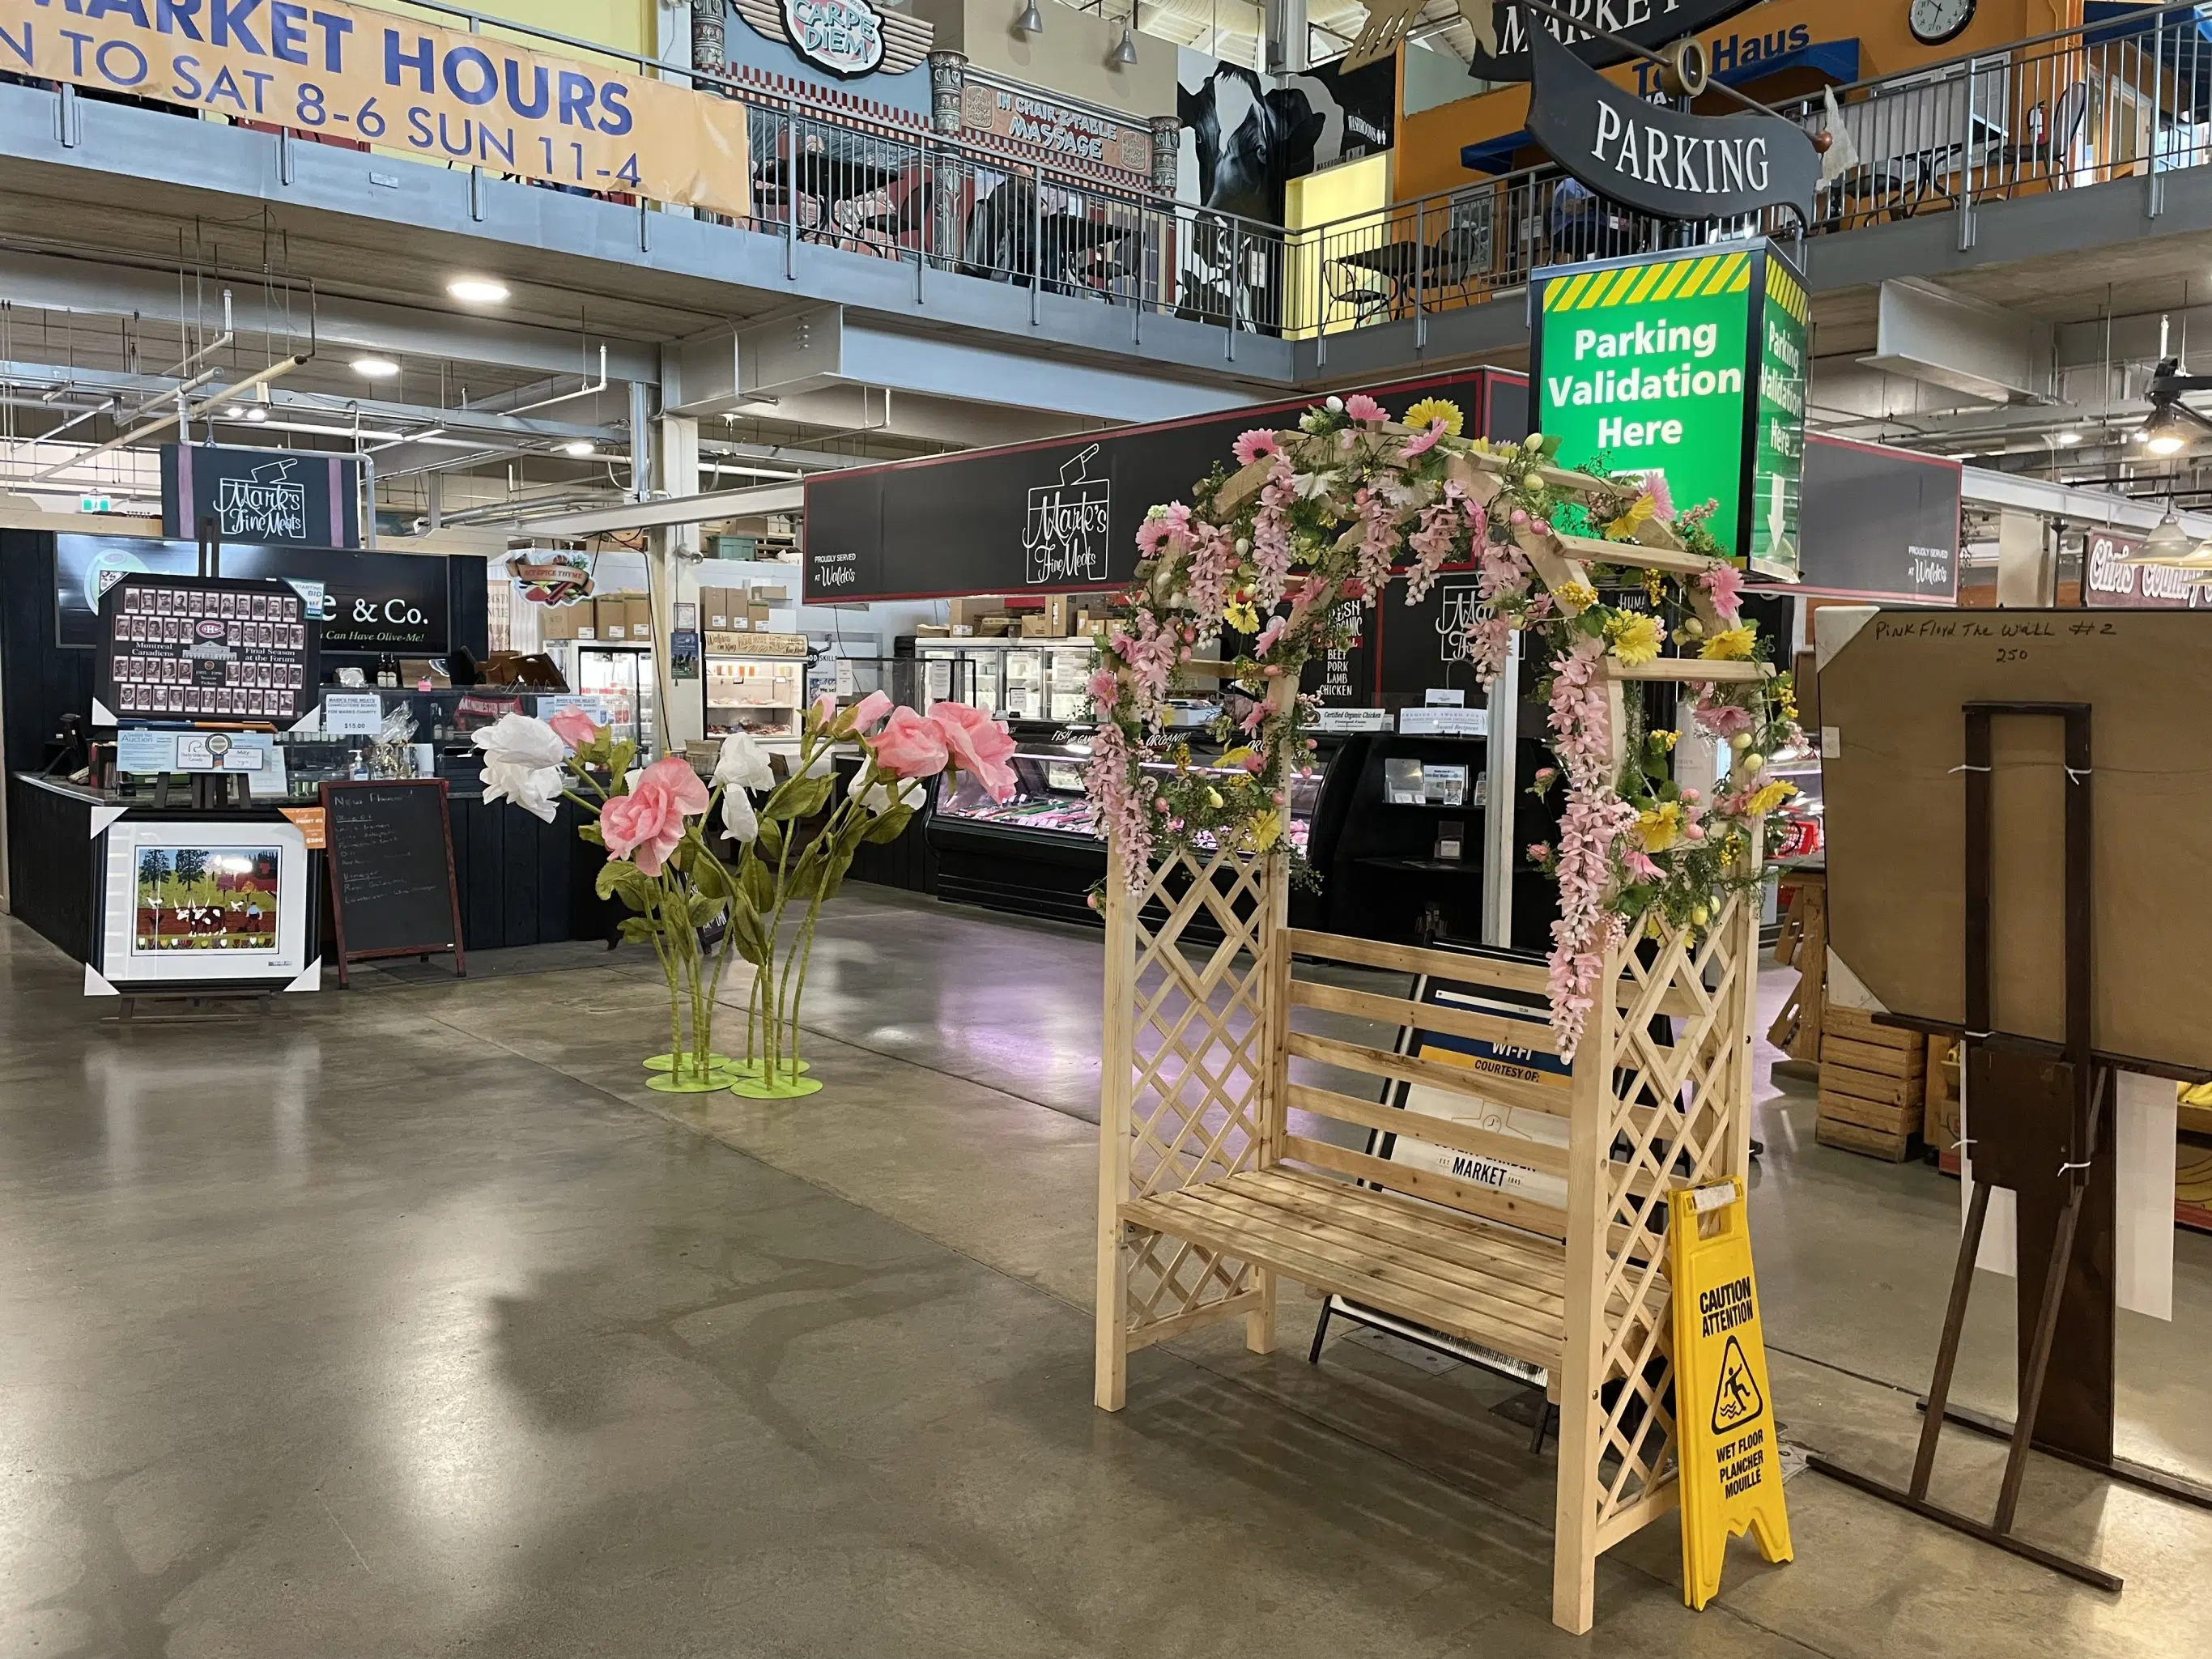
1365,409
824,710
1539,851
1422,442
1255,718
870,710
574,727
1638,862
1723,584
1251,446
910,745
1662,494
1105,690
647,824
1271,635
1723,719
978,745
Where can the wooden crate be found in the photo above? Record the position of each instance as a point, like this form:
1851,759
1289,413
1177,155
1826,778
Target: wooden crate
1873,1086
1871,1143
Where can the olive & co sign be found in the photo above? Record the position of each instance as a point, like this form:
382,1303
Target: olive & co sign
393,82
1691,365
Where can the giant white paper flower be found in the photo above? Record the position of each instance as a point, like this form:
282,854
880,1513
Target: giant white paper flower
881,796
535,789
520,740
743,764
522,763
739,816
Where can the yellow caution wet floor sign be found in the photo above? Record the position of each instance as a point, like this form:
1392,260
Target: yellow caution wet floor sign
1731,1469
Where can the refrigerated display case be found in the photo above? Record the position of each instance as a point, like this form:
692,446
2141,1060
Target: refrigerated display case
1016,679
620,675
760,695
1034,853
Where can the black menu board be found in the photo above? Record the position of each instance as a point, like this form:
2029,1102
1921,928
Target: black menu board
205,650
389,846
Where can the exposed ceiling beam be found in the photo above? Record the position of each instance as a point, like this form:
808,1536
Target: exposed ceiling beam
675,510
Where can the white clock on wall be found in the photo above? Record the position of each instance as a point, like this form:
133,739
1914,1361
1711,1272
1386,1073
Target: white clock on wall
1935,21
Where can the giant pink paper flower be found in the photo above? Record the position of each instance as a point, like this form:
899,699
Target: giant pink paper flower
574,727
647,824
870,710
910,745
979,745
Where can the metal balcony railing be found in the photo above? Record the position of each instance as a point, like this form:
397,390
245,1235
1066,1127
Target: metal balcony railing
2129,95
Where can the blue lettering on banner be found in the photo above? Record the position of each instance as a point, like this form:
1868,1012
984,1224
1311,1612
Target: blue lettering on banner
175,17
287,31
227,19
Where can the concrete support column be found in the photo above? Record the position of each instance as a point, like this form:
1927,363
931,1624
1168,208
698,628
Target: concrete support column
673,555
1286,36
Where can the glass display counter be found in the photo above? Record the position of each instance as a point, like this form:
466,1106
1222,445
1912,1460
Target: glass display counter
1036,853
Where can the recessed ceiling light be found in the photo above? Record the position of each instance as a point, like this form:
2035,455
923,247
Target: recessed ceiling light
257,412
478,290
233,413
2070,439
580,447
375,368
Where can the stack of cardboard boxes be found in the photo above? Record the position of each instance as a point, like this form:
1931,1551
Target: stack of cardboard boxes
727,610
608,619
1062,616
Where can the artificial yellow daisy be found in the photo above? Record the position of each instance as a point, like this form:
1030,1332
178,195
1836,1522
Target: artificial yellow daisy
1769,797
1730,644
1632,519
1634,637
1666,738
1427,412
1660,828
1242,617
1576,596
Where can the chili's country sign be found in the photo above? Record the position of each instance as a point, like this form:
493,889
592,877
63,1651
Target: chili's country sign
398,84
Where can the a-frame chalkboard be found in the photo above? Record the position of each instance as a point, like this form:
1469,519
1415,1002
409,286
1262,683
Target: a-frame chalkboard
389,848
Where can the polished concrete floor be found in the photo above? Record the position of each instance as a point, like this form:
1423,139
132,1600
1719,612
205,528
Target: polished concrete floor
408,1321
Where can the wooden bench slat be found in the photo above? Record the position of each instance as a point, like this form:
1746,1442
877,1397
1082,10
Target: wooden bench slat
1360,1223
1525,1258
1471,1138
1695,670
1422,1016
1455,966
1539,1313
1545,1219
1351,1265
1433,1073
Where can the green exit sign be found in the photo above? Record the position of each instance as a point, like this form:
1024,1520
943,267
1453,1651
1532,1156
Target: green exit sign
95,504
1690,363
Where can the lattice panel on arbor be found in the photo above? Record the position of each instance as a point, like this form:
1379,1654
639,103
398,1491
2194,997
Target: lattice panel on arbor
1199,1061
1674,1055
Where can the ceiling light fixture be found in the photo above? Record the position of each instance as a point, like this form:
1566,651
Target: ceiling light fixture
478,291
375,368
2068,440
2173,425
2167,541
581,448
1125,52
257,412
1031,22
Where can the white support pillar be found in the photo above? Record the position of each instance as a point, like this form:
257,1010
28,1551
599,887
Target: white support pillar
674,558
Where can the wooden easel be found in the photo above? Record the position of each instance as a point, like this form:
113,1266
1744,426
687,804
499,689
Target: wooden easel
2043,1122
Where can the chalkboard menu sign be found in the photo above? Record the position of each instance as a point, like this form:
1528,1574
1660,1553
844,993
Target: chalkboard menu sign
205,649
389,845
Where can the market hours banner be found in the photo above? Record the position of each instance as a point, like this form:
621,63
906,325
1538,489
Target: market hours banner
393,82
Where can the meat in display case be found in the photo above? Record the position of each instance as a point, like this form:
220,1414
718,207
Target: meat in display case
1034,853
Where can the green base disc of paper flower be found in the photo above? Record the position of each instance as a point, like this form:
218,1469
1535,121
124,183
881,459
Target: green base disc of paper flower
755,1068
667,1062
683,1083
786,1087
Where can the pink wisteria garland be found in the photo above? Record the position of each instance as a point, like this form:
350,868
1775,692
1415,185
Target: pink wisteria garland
1594,822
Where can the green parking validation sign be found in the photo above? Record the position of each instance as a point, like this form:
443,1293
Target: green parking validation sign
1689,364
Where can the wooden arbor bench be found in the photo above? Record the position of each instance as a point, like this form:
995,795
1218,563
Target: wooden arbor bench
1215,1181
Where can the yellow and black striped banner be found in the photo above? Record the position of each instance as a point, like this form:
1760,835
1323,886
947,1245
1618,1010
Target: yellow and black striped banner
1684,276
1785,291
